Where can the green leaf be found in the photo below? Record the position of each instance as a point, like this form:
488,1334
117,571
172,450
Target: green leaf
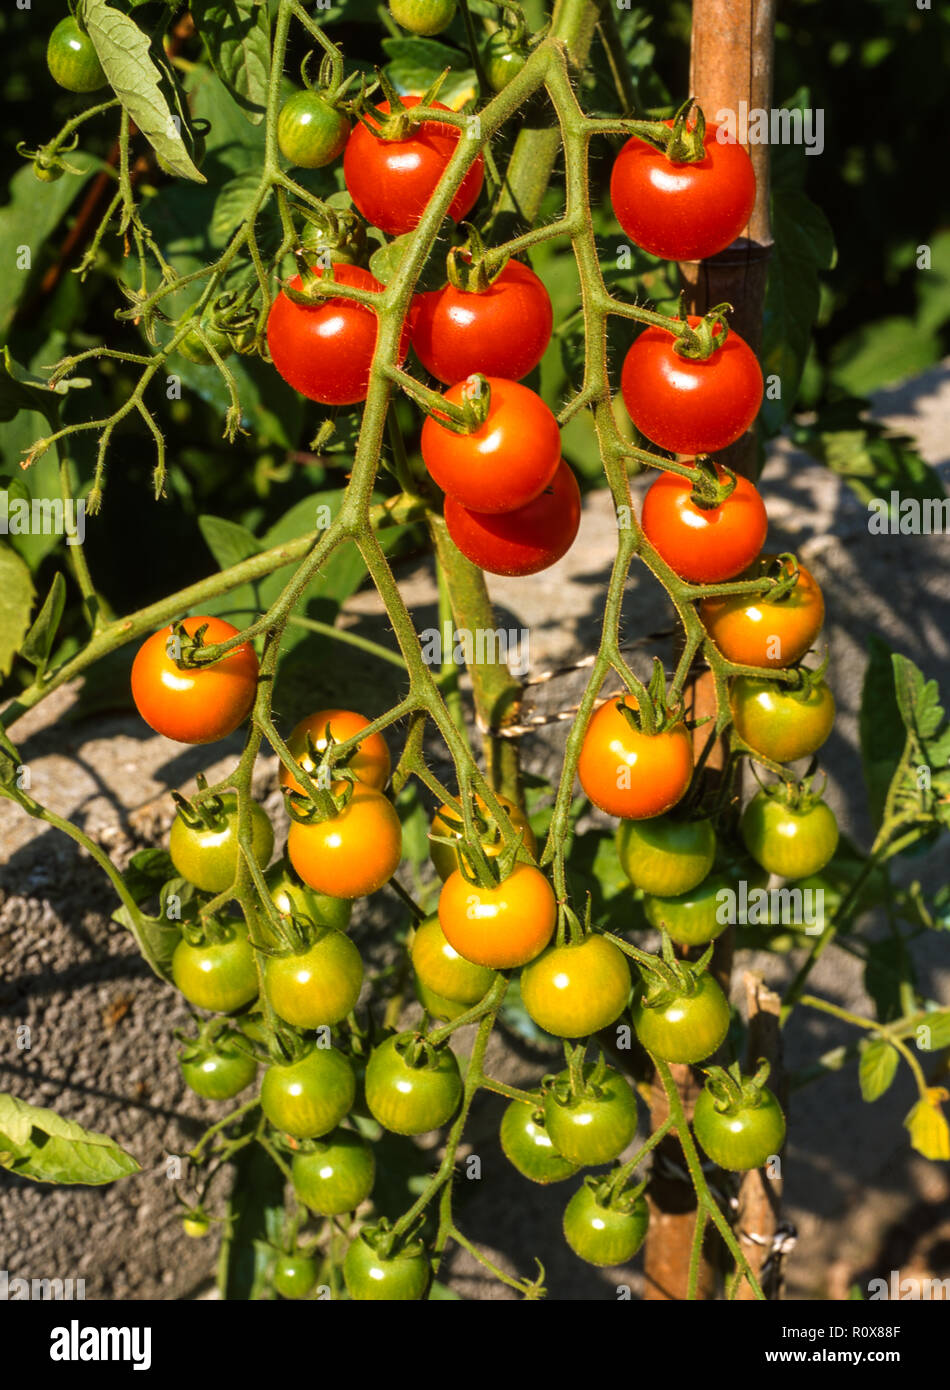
21,390
255,1225
877,1068
38,642
237,37
156,938
887,965
233,204
441,1293
228,542
882,734
918,699
26,222
414,64
124,52
16,604
933,1033
415,824
873,460
385,262
39,1144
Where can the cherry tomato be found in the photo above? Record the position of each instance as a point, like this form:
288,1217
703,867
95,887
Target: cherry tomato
777,722
207,854
334,1176
448,823
523,541
194,347
311,132
686,405
603,1233
577,989
410,1097
591,1128
527,1145
325,350
195,1226
317,986
399,1278
219,976
507,461
201,704
631,774
442,970
291,897
686,1027
352,853
704,545
501,331
501,61
789,841
742,1137
218,1071
694,917
423,16
72,59
437,1005
295,1275
370,763
683,212
666,855
501,927
309,1097
755,631
391,181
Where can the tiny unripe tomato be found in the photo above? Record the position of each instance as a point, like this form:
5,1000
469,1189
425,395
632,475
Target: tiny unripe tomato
195,1226
501,61
528,539
704,545
527,1145
790,841
202,703
503,330
219,976
309,1097
335,1176
370,762
318,986
352,853
755,631
408,1099
603,1234
72,59
47,173
194,348
207,855
400,1278
742,1137
687,1028
501,927
217,1072
631,774
423,17
311,132
436,1004
448,823
777,722
295,1275
577,989
441,969
591,1128
292,897
695,917
665,855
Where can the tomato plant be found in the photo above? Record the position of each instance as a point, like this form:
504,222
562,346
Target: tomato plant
370,761
294,1275
401,1276
443,971
216,1069
737,1121
682,1022
694,916
423,16
448,824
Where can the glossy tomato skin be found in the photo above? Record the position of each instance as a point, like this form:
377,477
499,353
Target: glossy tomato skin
407,1099
370,763
207,855
195,1226
318,986
704,545
575,990
692,918
401,1278
335,1176
527,1145
447,823
683,212
325,350
789,842
591,1129
523,541
311,132
777,724
292,897
501,61
505,463
755,632
218,1072
391,181
204,703
743,1139
603,1235
442,970
352,853
294,1275
500,927
686,1029
309,1097
72,59
501,331
686,405
218,976
423,17
666,855
631,774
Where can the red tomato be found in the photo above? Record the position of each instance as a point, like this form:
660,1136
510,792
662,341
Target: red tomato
689,406
501,331
631,774
325,352
529,539
198,705
391,181
683,212
505,463
704,545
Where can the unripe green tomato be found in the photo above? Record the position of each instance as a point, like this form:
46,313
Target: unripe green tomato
195,1226
193,349
592,1128
687,1028
411,1099
423,17
436,1004
695,917
207,856
310,132
604,1235
295,1275
309,1097
72,59
776,723
318,986
441,969
402,1278
666,855
336,1176
573,991
501,61
528,1147
793,842
217,1072
740,1139
292,897
219,976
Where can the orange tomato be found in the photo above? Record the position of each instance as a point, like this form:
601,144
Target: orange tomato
630,774
447,821
352,853
501,927
370,763
759,632
201,704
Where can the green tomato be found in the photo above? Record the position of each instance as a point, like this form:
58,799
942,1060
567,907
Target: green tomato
309,1097
594,1127
501,61
316,986
777,723
410,1099
295,1275
335,1176
436,1005
219,976
601,1232
693,918
665,855
72,59
573,991
195,1226
793,842
684,1028
311,132
442,970
527,1145
399,1278
208,855
217,1071
195,349
292,897
423,17
740,1137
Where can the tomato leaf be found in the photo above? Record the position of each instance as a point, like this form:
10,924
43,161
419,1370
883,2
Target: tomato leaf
33,212
233,205
39,1144
385,262
933,1032
887,965
16,604
228,542
882,734
38,642
877,1068
415,63
872,459
156,938
256,1217
237,38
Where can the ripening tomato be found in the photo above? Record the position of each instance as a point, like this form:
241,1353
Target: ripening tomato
501,927
501,60
391,181
401,1277
503,464
325,350
527,1145
596,1126
756,631
523,541
788,840
602,1231
693,917
311,132
317,986
686,405
219,975
576,989
778,722
501,331
412,1097
309,1097
665,854
442,970
448,823
334,1175
683,212
424,17
200,704
370,763
704,545
217,1070
685,1027
352,853
740,1136
207,854
631,774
